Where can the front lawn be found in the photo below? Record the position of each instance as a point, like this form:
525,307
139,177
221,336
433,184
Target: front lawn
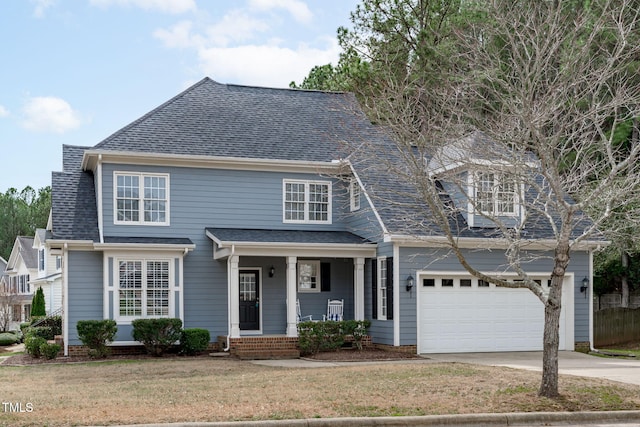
211,389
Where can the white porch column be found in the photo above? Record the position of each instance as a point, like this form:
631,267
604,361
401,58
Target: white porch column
234,296
358,288
292,324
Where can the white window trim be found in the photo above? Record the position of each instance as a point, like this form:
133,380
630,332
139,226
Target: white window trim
473,183
306,219
355,195
318,287
116,287
141,220
382,314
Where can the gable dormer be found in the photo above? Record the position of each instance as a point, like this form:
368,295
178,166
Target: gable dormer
482,180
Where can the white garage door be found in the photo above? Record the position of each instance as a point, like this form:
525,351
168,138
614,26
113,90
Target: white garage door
459,314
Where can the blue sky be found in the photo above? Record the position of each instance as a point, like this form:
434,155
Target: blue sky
76,71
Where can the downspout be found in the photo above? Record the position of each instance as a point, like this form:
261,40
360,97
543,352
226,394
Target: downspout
233,250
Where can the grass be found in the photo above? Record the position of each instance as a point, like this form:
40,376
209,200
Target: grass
207,389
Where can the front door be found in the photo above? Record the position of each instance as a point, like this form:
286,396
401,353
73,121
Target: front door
249,300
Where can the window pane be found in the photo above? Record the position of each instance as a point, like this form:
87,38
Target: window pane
318,202
465,283
447,282
157,288
294,201
155,198
130,283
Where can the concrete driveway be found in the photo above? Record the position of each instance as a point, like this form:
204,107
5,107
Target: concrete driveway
570,363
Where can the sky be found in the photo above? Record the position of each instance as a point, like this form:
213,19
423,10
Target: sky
76,71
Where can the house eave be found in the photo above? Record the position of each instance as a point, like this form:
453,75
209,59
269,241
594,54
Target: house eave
488,243
92,157
144,247
224,249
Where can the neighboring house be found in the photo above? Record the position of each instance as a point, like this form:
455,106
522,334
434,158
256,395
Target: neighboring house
21,267
223,206
49,275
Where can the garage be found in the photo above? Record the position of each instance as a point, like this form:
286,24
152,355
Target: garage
460,314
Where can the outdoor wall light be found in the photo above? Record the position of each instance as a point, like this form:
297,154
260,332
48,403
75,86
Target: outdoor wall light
410,282
272,271
585,285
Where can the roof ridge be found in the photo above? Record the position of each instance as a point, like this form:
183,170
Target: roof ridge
155,110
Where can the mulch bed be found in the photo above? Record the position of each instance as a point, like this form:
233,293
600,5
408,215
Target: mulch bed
342,355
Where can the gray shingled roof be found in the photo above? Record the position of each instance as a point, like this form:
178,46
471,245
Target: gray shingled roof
73,205
213,119
27,252
285,236
149,240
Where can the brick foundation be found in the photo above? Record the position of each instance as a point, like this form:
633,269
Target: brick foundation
264,347
582,346
411,349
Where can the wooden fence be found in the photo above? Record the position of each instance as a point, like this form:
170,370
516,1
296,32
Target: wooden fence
616,326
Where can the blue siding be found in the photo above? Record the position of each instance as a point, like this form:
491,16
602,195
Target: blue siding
381,331
413,259
84,290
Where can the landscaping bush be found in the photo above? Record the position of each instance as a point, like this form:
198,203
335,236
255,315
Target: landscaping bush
157,335
23,327
50,350
194,340
357,329
97,334
41,331
53,322
32,344
314,337
8,338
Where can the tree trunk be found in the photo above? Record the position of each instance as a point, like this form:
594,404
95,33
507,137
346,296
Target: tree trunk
551,338
624,279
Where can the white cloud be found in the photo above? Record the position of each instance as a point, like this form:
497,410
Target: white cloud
236,26
49,114
298,9
271,66
3,111
178,36
41,7
166,6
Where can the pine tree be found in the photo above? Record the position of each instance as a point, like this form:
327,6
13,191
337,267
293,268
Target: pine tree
38,308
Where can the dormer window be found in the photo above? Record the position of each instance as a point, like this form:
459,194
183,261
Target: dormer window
496,194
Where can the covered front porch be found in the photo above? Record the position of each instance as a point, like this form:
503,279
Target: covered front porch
269,270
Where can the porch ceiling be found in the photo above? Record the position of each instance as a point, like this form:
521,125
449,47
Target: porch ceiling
255,242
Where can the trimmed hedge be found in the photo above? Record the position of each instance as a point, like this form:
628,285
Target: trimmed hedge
314,337
8,338
157,335
194,340
32,344
50,350
97,334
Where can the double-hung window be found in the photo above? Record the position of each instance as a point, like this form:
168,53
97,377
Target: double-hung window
309,276
143,288
496,194
307,201
141,198
354,193
382,288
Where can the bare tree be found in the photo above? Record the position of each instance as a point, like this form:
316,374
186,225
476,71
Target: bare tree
519,129
8,298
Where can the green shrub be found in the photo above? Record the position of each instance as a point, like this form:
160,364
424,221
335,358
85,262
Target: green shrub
42,331
314,337
24,326
32,344
50,350
357,329
194,340
8,338
97,334
157,335
53,322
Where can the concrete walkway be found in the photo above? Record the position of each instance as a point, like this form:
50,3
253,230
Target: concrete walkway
570,363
